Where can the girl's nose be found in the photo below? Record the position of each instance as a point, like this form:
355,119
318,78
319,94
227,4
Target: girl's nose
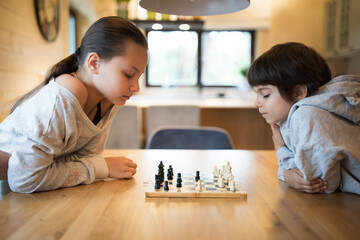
135,87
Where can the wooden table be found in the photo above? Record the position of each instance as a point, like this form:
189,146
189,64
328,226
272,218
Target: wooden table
118,209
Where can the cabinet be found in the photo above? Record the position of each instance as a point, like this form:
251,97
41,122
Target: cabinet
342,28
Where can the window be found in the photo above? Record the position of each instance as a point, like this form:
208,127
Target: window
172,58
72,32
198,58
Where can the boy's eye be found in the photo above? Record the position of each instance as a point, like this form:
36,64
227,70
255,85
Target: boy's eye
266,96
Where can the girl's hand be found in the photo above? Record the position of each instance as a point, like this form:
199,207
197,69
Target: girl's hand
4,162
295,179
121,167
277,137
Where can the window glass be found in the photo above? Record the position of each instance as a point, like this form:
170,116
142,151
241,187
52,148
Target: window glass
172,58
225,55
72,33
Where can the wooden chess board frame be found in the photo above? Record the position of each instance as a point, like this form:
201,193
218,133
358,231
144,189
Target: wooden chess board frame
210,189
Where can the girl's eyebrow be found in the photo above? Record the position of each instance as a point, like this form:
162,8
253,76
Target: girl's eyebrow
136,70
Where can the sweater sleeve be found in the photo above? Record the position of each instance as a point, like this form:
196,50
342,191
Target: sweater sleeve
33,167
53,144
317,151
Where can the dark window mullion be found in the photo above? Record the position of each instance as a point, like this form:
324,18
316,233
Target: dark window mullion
199,84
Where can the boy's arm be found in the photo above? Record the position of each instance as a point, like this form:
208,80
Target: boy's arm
317,150
287,169
295,179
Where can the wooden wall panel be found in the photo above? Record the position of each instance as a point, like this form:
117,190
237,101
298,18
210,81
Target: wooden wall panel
24,55
245,125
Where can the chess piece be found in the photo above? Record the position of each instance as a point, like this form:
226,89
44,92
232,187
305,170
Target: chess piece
197,177
219,179
215,172
157,182
232,186
198,186
166,186
170,173
178,181
221,182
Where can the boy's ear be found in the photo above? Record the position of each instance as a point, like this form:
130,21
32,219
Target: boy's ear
93,62
300,92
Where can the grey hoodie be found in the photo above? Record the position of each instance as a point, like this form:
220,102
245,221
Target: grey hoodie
322,135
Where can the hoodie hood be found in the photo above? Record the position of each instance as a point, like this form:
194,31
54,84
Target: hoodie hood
340,96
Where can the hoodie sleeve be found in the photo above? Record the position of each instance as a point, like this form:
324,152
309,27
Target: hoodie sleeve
317,144
285,160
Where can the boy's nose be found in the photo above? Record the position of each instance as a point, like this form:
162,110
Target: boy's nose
257,103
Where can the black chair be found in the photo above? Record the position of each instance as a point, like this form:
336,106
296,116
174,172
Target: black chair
179,137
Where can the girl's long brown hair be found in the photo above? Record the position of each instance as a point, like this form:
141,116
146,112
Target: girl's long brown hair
107,37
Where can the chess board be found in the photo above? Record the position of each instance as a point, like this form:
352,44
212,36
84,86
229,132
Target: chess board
210,188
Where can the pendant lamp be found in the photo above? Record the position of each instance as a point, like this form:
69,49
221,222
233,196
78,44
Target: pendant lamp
194,7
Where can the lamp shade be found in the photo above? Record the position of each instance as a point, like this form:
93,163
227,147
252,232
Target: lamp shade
195,7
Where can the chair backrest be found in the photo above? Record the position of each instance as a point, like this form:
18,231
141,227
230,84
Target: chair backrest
180,137
125,131
179,115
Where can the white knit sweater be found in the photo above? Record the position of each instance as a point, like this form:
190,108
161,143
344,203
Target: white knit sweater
53,143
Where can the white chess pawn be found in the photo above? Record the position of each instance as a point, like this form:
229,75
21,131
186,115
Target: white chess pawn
215,171
198,186
219,179
232,186
221,182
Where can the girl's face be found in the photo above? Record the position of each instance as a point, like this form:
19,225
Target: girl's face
270,104
119,76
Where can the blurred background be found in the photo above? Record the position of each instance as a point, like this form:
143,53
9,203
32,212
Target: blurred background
198,60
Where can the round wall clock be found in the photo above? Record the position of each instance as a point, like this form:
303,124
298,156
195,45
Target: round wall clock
48,14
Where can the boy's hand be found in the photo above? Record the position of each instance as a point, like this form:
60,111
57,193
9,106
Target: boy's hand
277,137
295,179
120,167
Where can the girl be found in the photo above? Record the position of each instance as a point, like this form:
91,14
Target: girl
55,134
315,120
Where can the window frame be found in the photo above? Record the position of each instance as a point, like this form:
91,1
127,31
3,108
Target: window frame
199,55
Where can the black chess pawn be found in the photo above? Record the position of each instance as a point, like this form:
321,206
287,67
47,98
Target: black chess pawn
197,177
170,175
166,186
157,184
178,181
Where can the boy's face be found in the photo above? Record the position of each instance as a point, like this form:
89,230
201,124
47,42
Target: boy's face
270,104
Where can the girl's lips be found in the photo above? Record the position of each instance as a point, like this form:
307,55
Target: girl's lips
126,97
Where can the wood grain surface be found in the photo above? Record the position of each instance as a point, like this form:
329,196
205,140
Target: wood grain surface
118,209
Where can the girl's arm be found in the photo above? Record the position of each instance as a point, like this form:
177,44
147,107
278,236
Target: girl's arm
34,166
4,160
